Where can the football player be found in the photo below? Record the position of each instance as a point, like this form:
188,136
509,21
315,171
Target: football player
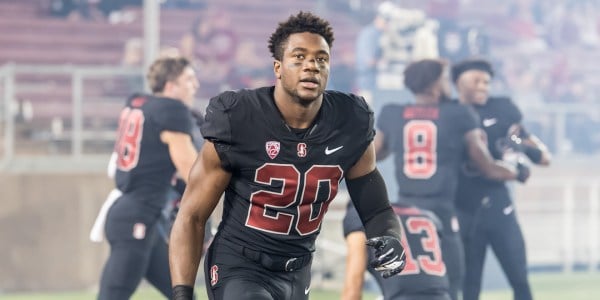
485,208
279,154
430,139
154,142
424,276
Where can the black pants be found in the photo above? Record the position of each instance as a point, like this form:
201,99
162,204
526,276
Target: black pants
495,224
454,259
231,275
136,251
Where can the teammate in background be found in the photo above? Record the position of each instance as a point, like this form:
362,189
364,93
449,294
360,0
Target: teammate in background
279,154
154,142
423,278
485,208
429,139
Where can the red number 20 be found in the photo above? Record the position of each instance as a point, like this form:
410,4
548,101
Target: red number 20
309,213
420,145
131,127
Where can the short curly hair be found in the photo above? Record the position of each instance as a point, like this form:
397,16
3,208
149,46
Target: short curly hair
420,75
471,64
302,22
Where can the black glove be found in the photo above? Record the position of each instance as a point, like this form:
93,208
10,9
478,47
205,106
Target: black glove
523,172
389,255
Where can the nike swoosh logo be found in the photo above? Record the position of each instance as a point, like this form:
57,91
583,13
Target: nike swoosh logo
329,151
306,290
489,122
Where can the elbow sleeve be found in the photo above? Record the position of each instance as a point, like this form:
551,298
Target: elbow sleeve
369,195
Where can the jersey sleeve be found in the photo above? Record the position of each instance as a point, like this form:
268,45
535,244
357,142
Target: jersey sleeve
512,112
351,222
364,113
387,120
217,125
175,116
467,118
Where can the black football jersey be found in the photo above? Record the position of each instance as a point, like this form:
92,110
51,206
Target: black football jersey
144,164
497,116
428,146
283,179
425,271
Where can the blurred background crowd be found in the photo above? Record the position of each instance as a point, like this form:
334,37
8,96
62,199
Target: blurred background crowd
67,66
543,51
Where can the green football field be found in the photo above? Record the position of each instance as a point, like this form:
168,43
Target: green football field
577,286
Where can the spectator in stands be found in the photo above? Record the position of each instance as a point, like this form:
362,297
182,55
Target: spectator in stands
211,45
251,70
133,56
368,51
114,10
73,9
342,73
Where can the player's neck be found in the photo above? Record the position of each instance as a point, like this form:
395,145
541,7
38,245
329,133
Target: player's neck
297,115
426,99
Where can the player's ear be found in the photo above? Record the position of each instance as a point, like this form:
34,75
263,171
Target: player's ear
277,69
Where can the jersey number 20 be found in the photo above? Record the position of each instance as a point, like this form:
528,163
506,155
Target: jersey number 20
131,127
420,145
309,212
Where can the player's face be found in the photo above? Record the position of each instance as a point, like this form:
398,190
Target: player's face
304,68
474,86
185,86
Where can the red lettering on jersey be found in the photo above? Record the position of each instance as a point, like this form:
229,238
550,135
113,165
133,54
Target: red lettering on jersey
272,148
137,102
214,275
406,210
301,149
418,112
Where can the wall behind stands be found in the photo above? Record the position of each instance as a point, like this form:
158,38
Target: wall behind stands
44,225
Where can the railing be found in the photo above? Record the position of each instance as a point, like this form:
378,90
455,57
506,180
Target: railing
12,86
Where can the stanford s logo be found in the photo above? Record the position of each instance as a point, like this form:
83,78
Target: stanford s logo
301,149
214,276
272,148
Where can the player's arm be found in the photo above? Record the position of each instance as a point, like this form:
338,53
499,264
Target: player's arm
480,155
532,146
369,195
356,265
182,151
207,181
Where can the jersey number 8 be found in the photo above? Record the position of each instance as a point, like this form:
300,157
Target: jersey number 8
420,145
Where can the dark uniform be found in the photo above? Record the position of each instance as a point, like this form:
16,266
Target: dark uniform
486,212
429,146
424,277
144,174
283,180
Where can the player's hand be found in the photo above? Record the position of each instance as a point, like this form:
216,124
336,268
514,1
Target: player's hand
513,142
389,255
523,172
